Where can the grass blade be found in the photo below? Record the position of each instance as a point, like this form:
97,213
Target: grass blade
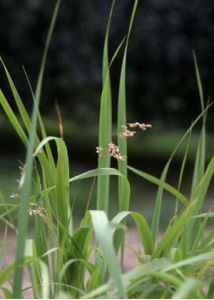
172,231
21,108
23,211
169,188
94,173
156,215
17,98
190,261
121,119
101,225
42,127
62,191
144,232
158,203
200,234
182,171
105,126
200,160
142,226
106,172
187,290
11,116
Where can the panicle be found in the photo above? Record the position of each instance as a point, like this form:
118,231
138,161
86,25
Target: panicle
126,133
114,152
142,126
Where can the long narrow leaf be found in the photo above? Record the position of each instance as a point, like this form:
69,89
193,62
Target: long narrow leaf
11,116
186,290
101,225
169,188
199,166
23,211
105,126
158,202
121,118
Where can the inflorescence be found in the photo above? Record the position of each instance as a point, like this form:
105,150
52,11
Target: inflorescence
124,133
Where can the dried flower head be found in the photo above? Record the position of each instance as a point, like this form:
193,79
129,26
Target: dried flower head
41,211
114,151
126,133
133,125
15,195
142,126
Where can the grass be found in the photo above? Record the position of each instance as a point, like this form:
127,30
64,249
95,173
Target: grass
61,257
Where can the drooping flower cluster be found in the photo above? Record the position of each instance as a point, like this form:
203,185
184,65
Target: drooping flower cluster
124,133
114,152
38,211
142,126
41,211
15,196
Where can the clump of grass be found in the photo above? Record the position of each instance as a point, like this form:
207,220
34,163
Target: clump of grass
63,262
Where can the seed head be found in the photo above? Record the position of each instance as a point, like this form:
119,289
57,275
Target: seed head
114,151
133,125
126,133
41,211
15,195
142,126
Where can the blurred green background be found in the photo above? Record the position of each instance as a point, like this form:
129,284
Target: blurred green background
161,84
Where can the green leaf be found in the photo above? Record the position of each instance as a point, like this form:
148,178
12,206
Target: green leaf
101,225
187,290
144,232
7,293
210,293
139,272
45,281
23,211
194,260
96,279
172,232
167,278
158,202
199,166
200,234
121,118
142,226
93,173
107,171
62,191
11,116
17,98
182,171
169,188
105,125
6,273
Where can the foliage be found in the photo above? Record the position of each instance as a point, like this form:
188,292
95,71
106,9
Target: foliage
62,259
